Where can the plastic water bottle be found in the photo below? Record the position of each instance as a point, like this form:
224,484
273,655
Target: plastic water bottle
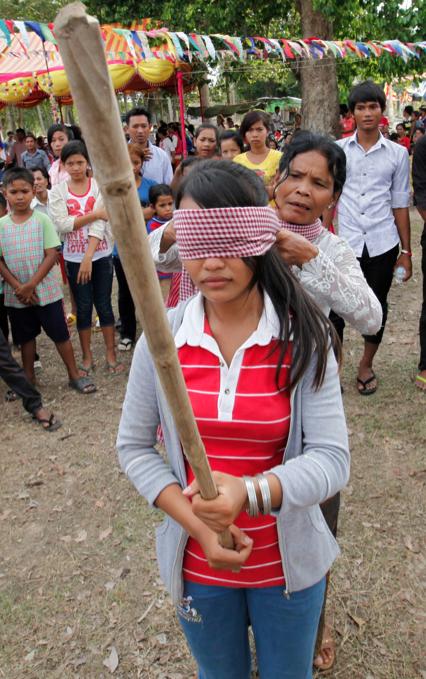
399,274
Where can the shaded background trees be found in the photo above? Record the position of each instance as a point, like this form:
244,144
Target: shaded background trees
320,83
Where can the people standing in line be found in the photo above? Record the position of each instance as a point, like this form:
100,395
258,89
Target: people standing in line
41,188
206,141
220,123
373,211
419,185
231,144
407,117
126,306
4,320
240,366
10,140
17,149
161,201
57,136
33,157
165,143
403,139
33,296
77,212
312,176
418,134
276,120
347,122
18,384
254,130
297,122
156,165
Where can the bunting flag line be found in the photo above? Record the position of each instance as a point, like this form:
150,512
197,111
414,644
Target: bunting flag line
175,46
147,55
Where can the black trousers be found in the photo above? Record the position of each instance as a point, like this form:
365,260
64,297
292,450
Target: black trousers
422,325
378,272
330,509
4,321
16,380
126,306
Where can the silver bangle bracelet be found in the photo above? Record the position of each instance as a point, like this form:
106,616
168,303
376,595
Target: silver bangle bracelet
266,494
253,508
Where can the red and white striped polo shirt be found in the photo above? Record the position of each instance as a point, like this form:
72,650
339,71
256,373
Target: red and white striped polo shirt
243,419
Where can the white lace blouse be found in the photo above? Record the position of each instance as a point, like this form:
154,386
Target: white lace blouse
333,278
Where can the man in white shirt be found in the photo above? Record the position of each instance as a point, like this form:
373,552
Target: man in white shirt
18,148
373,210
157,165
276,119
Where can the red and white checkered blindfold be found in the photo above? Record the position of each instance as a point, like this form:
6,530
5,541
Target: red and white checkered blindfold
225,232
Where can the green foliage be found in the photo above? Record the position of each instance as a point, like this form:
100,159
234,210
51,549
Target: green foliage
31,10
357,19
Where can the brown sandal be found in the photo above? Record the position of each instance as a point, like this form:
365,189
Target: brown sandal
327,653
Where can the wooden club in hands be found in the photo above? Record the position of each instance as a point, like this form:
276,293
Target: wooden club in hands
82,52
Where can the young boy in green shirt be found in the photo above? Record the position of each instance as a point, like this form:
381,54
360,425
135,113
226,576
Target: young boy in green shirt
32,292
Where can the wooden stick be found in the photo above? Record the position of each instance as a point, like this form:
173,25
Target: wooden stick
84,61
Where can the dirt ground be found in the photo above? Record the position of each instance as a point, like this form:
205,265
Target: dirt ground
80,595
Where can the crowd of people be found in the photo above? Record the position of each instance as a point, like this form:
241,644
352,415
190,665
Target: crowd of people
260,288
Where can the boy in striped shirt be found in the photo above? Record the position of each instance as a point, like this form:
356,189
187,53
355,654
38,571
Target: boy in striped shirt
33,296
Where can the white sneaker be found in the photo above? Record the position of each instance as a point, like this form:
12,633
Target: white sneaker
125,344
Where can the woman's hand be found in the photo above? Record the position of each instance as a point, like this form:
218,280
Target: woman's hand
220,513
85,271
294,248
168,238
221,558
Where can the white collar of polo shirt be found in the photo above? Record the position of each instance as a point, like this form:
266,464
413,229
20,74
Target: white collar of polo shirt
192,329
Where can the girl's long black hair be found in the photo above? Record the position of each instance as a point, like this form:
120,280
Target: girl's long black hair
222,183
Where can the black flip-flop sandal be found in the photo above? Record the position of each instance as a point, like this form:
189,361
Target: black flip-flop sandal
52,423
84,385
10,396
365,391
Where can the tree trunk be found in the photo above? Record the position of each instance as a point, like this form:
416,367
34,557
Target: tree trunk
11,124
318,79
204,98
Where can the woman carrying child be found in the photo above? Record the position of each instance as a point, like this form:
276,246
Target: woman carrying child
75,209
259,366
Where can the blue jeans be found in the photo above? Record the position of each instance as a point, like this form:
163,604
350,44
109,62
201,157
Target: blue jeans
96,292
215,621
